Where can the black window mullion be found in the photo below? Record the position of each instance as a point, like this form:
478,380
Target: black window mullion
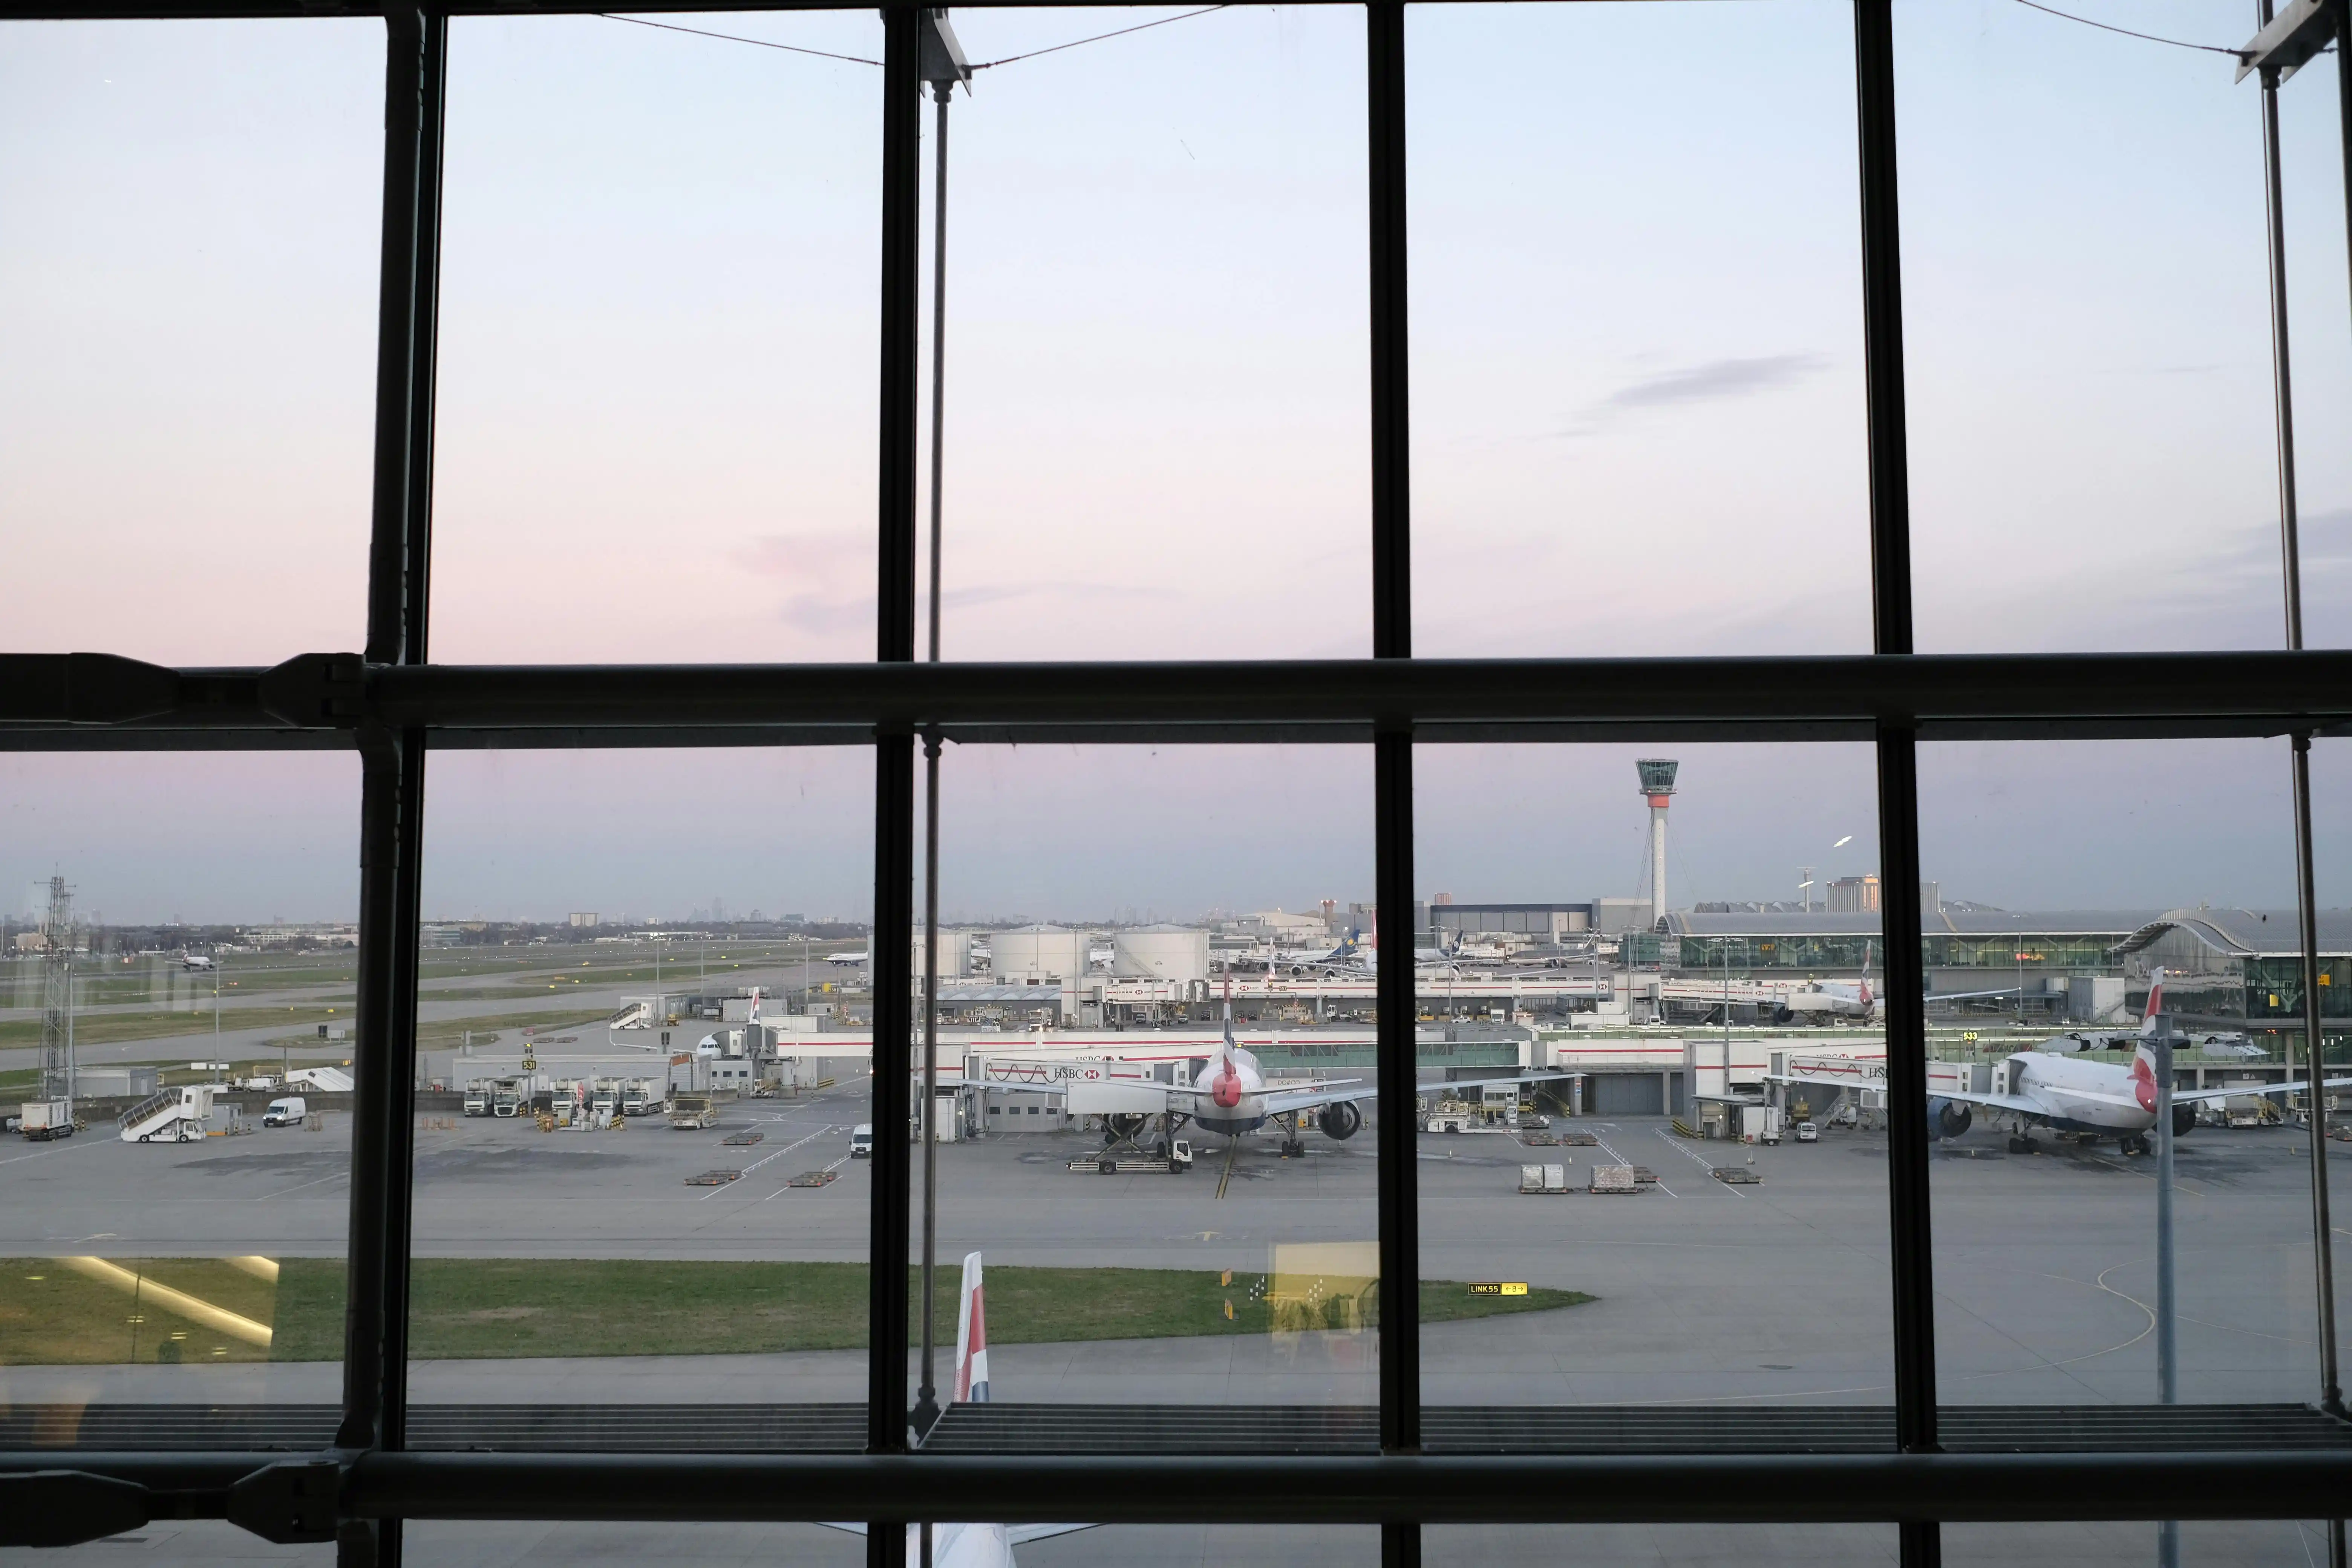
392,766
1911,1253
894,754
1391,498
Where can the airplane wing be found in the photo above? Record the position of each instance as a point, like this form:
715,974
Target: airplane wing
1974,996
2012,1102
2295,1088
1308,1097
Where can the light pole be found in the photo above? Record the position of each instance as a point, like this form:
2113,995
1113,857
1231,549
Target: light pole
943,66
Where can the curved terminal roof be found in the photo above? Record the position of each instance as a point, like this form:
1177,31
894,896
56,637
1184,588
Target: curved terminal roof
2248,933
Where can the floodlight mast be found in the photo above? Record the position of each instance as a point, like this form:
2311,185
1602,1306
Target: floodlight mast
943,66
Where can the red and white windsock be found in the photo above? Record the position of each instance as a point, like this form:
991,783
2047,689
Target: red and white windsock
972,1339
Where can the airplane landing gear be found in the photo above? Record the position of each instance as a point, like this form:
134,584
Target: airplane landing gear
1294,1149
2021,1145
2133,1145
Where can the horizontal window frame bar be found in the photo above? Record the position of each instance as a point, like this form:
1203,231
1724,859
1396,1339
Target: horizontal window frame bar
86,701
1792,1489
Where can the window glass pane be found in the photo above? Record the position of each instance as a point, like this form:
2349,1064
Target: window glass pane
187,293
1095,902
2311,135
657,367
180,1544
1028,1545
2087,334
2331,793
1636,330
1157,432
1681,1209
643,1053
1658,1545
512,1543
2065,908
175,1047
2204,1544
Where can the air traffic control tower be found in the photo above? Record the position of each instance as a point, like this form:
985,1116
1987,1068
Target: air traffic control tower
1658,784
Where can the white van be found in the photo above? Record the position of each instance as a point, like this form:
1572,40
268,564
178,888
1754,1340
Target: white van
285,1112
861,1140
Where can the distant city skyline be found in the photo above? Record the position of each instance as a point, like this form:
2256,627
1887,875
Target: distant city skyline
537,834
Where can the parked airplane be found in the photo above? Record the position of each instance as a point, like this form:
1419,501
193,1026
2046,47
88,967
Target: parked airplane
857,959
2092,1099
1352,956
1832,999
972,1545
1230,1093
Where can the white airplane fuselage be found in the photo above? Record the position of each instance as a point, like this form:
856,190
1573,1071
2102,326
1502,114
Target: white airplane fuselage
1236,1097
2085,1097
963,1545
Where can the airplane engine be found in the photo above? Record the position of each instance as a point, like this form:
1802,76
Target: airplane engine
1125,1126
1339,1120
1782,1013
2184,1117
1947,1118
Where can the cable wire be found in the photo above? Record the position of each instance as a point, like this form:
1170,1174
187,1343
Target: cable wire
862,60
2126,32
1099,38
739,38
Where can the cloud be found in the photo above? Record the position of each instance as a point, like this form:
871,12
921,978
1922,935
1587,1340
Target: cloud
1715,379
1712,382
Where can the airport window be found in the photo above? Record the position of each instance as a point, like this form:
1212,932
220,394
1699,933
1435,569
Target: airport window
1063,784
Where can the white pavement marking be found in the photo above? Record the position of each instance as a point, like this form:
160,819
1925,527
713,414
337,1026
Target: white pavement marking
333,1175
1692,1156
68,1149
763,1160
1622,1161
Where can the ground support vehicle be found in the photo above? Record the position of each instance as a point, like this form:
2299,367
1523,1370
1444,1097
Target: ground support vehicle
42,1119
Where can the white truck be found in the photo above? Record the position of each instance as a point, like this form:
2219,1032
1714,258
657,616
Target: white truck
477,1098
286,1111
42,1119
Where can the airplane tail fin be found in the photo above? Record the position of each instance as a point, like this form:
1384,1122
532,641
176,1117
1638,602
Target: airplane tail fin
1866,998
1229,1008
755,1005
972,1339
2152,1016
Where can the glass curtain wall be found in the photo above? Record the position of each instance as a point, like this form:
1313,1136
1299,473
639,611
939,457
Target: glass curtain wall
1175,1191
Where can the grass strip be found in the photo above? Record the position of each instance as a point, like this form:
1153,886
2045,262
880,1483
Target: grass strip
476,1308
